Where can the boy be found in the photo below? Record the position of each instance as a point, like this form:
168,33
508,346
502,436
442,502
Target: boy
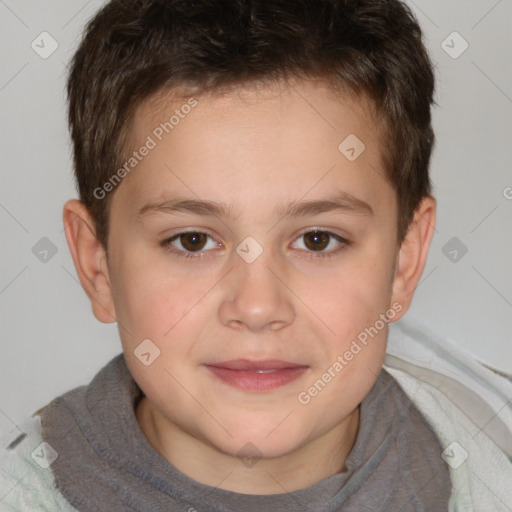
254,213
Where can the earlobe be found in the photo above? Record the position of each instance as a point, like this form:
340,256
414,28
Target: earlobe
413,253
89,258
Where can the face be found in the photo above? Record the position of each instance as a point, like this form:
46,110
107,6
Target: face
258,258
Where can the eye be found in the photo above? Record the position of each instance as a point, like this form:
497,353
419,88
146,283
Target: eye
322,242
189,242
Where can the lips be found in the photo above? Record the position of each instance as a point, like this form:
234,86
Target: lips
251,375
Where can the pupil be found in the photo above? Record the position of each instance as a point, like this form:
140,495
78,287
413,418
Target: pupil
317,240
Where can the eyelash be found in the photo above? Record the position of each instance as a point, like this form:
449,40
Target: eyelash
167,243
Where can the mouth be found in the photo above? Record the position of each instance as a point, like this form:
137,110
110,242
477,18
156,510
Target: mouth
250,375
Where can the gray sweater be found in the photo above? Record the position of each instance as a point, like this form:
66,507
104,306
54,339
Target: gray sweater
106,464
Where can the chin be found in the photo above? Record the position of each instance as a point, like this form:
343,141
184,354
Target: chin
269,439
253,449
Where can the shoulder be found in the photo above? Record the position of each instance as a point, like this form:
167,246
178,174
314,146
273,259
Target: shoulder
468,406
26,478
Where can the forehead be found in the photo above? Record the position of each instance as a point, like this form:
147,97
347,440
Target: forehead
255,140
312,98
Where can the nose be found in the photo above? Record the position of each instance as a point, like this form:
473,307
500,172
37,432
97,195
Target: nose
255,298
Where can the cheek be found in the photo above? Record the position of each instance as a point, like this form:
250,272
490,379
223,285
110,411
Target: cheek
353,298
351,304
150,300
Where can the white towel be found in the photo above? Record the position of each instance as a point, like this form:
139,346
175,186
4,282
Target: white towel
469,407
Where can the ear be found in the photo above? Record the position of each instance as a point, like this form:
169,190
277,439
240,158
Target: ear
413,253
90,259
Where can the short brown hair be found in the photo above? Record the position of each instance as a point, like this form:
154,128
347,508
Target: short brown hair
133,49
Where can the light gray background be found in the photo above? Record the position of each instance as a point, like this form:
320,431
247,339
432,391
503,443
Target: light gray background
50,340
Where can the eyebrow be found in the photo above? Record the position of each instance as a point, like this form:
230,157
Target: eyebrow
341,202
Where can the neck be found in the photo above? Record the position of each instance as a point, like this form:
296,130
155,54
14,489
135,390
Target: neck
316,460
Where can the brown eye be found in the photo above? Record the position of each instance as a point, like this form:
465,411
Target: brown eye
193,241
191,244
316,240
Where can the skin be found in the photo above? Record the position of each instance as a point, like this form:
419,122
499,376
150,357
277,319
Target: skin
252,149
